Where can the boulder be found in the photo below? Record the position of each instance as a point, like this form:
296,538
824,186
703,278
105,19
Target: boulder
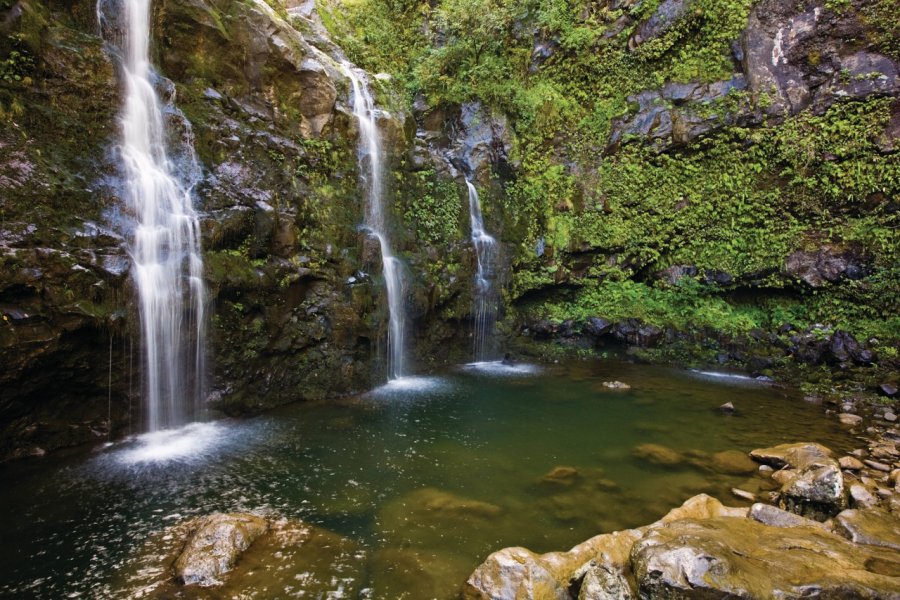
511,574
872,527
214,546
827,264
742,558
888,390
850,419
599,581
796,456
732,462
560,477
816,492
597,326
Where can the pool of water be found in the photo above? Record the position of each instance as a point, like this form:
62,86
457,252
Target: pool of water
411,485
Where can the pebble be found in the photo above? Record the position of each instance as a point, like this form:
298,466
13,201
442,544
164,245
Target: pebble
848,462
878,466
743,494
859,453
848,419
890,417
884,492
765,469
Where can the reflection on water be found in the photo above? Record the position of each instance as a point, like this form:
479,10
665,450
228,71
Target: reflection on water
408,487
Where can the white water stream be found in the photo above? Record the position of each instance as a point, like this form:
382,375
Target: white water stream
167,265
486,298
371,170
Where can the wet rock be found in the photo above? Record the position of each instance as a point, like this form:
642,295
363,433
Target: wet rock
658,454
728,408
602,582
816,492
776,517
215,545
890,417
850,463
616,385
844,347
871,527
672,275
797,456
878,466
511,574
743,494
849,419
861,498
742,558
636,333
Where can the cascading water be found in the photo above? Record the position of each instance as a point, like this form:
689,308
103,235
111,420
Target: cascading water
165,246
370,173
486,298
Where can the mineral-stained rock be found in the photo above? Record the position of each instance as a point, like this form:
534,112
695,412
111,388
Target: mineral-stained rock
797,456
872,527
741,558
215,545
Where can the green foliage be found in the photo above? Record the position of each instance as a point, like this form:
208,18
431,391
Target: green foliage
16,60
432,208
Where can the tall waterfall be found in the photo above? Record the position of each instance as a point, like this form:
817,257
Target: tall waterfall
371,171
165,246
486,296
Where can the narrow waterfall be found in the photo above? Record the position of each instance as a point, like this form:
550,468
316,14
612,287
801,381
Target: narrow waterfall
167,265
371,171
486,296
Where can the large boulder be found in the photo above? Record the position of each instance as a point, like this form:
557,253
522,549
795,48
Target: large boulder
741,558
826,264
215,545
813,484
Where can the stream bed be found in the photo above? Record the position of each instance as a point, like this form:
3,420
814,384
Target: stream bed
409,487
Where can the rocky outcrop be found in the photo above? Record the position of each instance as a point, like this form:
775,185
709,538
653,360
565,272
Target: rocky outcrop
827,264
792,56
700,550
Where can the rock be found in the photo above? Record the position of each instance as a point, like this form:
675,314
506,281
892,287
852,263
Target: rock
888,390
878,466
511,574
850,463
742,558
728,408
784,475
827,264
636,333
871,527
744,495
816,492
890,417
215,545
849,419
602,582
797,456
616,385
658,455
672,275
667,15
844,347
732,462
775,517
765,469
861,498
561,477
597,327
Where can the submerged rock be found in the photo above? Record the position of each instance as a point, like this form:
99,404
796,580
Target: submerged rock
215,545
658,454
616,385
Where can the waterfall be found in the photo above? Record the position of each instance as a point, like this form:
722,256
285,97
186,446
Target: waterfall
371,170
165,245
486,296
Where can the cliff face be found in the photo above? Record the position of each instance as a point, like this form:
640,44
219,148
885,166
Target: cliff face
295,289
715,177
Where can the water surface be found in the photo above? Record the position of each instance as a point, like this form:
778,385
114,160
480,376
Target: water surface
412,485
